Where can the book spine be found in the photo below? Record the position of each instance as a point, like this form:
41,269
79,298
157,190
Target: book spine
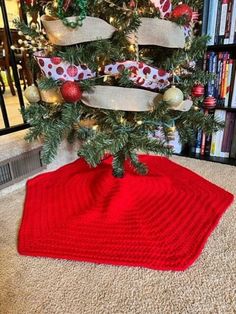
198,142
203,141
223,17
225,82
233,101
210,22
217,30
215,149
235,33
232,82
231,132
223,79
205,17
228,134
228,23
213,21
175,143
208,144
233,23
214,71
233,145
220,133
225,136
213,145
229,76
219,75
208,138
210,86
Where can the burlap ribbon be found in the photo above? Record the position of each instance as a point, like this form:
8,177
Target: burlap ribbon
158,32
125,99
92,29
152,31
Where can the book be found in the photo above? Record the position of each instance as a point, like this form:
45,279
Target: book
217,137
228,82
228,134
208,144
223,18
219,74
205,16
224,77
198,142
211,67
203,139
217,30
233,145
214,71
228,22
233,84
203,144
175,143
233,23
211,26
208,137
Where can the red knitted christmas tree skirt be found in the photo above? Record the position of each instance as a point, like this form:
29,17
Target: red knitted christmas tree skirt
159,221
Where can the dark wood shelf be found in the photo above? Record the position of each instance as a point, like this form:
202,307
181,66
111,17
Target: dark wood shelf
225,108
227,161
222,47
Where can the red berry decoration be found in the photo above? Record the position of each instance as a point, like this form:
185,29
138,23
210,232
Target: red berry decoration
209,102
198,90
71,91
182,11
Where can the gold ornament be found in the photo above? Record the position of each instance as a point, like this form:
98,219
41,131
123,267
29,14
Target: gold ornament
173,96
52,96
32,94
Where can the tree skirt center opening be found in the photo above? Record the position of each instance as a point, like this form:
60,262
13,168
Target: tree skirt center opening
160,221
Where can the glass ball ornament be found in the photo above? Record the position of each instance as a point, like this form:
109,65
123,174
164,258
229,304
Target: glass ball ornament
198,90
209,102
71,91
51,96
173,96
32,94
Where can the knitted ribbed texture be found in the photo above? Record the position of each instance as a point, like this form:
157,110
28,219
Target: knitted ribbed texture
160,221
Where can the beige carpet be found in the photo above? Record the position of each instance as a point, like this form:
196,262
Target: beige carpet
47,286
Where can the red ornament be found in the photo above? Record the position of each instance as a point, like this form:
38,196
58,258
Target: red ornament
198,90
209,102
132,4
182,11
71,91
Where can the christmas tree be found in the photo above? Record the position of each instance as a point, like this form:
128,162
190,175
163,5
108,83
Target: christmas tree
110,73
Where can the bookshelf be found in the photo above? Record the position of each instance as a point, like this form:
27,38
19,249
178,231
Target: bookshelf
219,21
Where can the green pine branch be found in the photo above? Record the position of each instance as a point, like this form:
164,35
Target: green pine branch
47,83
